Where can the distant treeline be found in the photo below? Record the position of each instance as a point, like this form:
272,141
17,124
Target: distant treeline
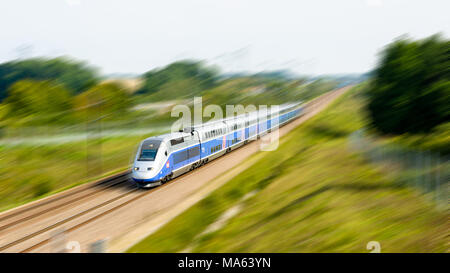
64,91
74,75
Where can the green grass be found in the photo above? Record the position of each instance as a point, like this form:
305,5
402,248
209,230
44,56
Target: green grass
315,195
31,172
438,141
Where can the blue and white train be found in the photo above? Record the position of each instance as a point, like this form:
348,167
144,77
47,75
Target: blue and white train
162,158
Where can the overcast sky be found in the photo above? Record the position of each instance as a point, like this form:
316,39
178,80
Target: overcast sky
133,36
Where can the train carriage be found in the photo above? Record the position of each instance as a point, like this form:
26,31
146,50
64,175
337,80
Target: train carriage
164,157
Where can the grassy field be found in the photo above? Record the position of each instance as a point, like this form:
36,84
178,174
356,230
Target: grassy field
313,194
31,172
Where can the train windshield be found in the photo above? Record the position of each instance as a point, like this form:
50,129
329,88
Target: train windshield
149,149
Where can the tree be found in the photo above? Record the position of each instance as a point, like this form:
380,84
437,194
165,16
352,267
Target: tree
410,90
29,97
75,76
102,100
182,71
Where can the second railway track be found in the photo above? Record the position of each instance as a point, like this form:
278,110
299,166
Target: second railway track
22,215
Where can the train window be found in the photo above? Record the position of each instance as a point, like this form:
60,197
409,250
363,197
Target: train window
149,149
176,141
195,151
180,157
147,155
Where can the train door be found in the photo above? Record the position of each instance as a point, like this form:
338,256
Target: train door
167,168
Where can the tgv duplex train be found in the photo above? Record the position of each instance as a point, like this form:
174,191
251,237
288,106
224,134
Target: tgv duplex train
161,158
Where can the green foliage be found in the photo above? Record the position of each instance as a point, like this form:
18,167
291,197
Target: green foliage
41,185
178,80
29,97
75,76
411,86
436,141
258,90
102,100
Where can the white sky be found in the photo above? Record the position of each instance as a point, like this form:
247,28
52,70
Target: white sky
133,36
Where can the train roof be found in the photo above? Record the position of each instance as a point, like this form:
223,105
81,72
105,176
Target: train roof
251,115
169,136
222,122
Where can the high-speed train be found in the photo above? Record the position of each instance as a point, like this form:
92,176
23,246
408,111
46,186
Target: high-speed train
161,158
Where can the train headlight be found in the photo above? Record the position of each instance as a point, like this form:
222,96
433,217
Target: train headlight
136,168
149,168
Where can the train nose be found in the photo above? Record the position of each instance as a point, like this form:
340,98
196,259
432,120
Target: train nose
143,166
143,170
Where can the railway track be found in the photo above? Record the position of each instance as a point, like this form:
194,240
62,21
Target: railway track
25,214
107,189
123,178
